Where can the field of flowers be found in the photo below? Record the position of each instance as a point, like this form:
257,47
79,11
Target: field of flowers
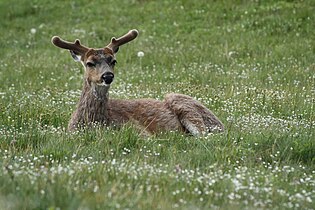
252,63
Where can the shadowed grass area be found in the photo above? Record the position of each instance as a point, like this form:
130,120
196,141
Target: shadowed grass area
250,62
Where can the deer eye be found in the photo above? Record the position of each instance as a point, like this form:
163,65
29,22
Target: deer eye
90,64
113,62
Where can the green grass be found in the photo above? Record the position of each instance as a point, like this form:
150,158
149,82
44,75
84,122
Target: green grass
251,62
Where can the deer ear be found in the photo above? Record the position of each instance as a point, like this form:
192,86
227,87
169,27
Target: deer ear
75,56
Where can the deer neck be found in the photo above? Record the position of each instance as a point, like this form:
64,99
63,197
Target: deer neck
93,106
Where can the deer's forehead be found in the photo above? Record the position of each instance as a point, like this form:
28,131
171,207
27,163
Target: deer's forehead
98,54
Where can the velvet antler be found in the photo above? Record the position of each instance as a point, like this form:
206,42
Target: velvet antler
76,47
115,43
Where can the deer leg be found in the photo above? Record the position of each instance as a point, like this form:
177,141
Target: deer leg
193,123
194,116
212,123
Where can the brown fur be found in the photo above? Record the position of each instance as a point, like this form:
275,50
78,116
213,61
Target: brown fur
176,112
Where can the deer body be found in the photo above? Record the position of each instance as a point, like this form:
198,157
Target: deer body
176,112
148,115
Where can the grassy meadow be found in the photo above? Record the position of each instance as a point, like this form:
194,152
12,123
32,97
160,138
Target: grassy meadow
251,62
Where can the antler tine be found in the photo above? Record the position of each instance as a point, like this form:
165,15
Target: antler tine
76,46
115,43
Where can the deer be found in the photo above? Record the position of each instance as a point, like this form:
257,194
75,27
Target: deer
176,113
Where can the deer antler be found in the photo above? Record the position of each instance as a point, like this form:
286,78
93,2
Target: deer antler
115,43
76,46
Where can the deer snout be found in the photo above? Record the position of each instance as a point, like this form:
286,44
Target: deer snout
108,77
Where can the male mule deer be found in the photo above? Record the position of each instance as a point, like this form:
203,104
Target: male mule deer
176,113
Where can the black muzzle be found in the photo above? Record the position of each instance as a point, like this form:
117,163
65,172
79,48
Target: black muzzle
108,77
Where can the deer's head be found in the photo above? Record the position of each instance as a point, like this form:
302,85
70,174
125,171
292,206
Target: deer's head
98,63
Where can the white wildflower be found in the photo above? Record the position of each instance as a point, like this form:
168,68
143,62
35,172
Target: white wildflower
33,30
140,54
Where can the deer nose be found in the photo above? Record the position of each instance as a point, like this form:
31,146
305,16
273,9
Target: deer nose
108,77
